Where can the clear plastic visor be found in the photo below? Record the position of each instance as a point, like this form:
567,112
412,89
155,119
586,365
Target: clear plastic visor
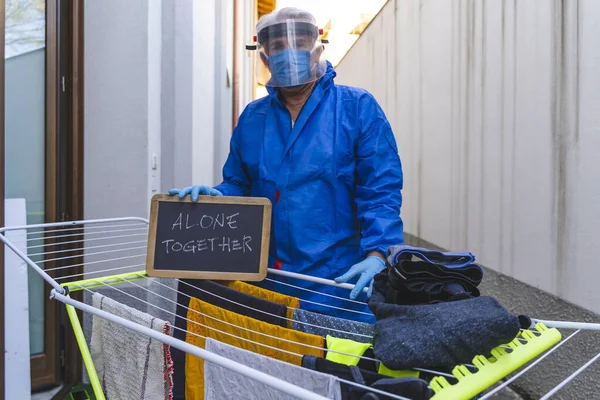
290,54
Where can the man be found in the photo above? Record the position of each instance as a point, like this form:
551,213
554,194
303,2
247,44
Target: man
325,156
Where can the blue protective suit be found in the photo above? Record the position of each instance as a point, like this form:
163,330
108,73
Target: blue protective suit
334,180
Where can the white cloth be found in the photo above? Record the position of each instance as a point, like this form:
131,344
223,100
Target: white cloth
221,383
130,365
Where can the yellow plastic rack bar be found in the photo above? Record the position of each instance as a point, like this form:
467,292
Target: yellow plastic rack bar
76,324
496,367
100,282
85,353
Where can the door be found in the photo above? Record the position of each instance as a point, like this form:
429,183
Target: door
29,104
42,140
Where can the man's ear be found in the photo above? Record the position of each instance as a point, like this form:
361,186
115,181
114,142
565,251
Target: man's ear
264,59
316,52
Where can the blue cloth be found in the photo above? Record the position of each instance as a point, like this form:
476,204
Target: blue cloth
449,259
332,176
323,325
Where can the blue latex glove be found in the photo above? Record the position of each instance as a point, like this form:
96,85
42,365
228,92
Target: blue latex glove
367,269
195,191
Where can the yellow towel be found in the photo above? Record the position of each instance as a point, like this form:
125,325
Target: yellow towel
345,346
274,297
194,366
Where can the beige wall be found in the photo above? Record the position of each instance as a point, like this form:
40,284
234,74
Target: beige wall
495,109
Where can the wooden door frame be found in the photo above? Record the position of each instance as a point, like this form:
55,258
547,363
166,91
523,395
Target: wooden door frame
65,117
74,125
72,368
45,366
46,369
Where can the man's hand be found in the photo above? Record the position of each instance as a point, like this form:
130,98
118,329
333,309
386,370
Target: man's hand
195,191
367,269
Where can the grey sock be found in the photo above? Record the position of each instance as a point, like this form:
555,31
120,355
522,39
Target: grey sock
439,335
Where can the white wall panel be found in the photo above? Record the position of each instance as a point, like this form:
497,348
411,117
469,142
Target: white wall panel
495,109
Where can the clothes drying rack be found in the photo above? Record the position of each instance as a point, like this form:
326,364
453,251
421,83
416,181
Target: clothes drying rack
97,254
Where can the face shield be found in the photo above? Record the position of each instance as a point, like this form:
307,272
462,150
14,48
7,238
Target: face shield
290,51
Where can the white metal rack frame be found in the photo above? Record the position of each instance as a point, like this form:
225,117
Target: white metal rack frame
102,254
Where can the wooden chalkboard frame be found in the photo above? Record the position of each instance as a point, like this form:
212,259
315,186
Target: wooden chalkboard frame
186,274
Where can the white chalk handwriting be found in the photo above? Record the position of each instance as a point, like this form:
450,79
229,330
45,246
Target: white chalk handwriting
184,221
221,244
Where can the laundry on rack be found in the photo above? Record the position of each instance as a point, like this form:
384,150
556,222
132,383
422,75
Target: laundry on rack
226,298
346,346
428,292
292,303
399,373
405,387
449,259
130,365
417,282
364,357
221,383
441,334
469,275
323,325
367,360
206,320
232,299
422,276
410,387
317,298
162,293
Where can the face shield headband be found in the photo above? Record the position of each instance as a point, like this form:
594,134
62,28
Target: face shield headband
284,29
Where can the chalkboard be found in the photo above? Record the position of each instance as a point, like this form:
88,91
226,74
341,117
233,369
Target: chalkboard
224,238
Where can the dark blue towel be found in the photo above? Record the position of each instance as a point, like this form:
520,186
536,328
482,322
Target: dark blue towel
471,274
450,259
419,282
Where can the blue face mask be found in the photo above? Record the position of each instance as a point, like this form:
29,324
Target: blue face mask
290,67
